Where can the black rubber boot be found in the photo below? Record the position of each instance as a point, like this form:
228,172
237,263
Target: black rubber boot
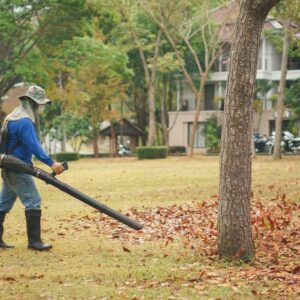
2,243
33,221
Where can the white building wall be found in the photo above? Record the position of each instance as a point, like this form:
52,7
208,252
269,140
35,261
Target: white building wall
270,65
274,57
178,136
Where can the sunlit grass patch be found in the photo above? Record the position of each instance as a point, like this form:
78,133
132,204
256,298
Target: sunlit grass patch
89,261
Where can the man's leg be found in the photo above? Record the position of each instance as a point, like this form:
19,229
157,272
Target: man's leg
7,200
30,197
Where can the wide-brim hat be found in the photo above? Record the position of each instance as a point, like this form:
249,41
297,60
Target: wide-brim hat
37,94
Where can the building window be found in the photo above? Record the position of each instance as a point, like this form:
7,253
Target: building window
200,137
209,94
225,62
293,63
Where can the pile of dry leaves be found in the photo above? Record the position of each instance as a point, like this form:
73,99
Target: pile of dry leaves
276,230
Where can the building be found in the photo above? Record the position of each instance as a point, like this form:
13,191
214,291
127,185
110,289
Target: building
268,69
11,100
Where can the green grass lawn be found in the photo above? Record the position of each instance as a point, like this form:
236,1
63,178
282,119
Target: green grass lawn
94,259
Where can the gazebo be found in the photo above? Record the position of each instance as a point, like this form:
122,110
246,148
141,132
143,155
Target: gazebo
122,128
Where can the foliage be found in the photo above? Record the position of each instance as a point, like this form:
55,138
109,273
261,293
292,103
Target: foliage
292,100
101,91
77,129
152,152
147,39
212,132
177,149
29,29
263,86
286,11
192,31
91,81
275,36
79,54
50,112
67,156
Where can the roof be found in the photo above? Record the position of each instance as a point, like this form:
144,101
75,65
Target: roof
227,15
123,127
11,99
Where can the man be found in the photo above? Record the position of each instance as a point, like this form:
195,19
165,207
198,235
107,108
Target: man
22,142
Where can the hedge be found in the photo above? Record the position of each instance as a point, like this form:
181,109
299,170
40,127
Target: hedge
152,152
66,156
177,149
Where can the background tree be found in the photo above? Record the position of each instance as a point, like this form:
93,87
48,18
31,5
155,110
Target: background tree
108,23
194,36
292,100
102,92
288,12
49,114
212,131
92,75
77,129
25,27
263,86
146,39
169,69
234,222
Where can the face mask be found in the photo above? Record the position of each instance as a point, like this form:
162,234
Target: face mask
41,108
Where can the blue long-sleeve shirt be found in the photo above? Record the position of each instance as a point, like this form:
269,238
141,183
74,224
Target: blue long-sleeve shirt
23,130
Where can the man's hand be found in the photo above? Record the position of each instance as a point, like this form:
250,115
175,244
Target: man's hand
57,167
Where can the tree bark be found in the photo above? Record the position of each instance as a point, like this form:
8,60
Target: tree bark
95,143
164,112
64,132
199,96
234,220
151,103
113,141
151,92
281,91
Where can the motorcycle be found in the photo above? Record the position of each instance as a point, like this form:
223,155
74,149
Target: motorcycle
261,143
124,151
289,143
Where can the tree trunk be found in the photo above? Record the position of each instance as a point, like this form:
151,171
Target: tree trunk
64,121
234,221
152,129
170,95
199,97
140,109
113,141
281,91
64,132
192,137
164,113
95,143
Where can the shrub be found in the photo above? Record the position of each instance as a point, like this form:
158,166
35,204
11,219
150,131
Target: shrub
67,156
212,133
152,152
177,149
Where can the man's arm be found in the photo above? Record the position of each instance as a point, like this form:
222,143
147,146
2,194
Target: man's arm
29,138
